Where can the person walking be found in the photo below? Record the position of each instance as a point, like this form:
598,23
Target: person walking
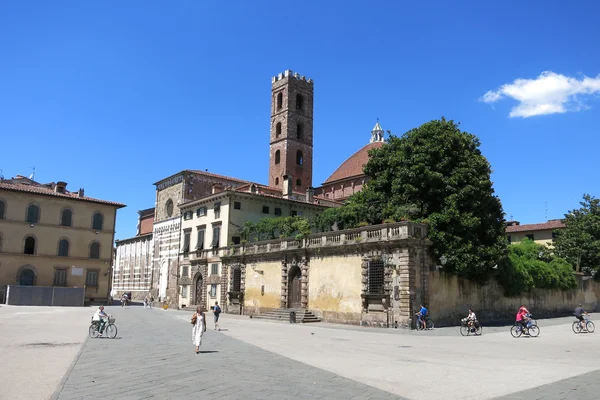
199,322
146,302
217,312
151,300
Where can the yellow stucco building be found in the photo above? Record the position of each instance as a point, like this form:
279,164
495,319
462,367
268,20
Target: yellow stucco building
52,237
543,233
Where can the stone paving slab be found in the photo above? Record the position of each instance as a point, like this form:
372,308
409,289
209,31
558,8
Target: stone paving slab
153,357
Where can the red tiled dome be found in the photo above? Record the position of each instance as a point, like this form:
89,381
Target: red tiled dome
354,165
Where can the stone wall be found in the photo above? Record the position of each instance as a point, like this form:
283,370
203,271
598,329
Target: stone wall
335,273
450,299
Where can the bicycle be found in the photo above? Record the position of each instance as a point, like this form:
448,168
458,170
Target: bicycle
466,330
578,326
110,329
531,330
419,325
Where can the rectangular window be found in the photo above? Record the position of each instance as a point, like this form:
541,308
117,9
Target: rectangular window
294,213
529,236
509,239
375,275
214,269
60,277
554,235
216,237
188,215
92,278
265,209
236,240
200,239
184,291
277,211
217,210
237,205
201,212
237,279
186,241
184,271
213,290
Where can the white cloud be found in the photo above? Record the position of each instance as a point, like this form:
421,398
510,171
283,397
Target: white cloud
549,93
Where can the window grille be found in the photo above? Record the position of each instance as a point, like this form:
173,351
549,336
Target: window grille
237,280
376,272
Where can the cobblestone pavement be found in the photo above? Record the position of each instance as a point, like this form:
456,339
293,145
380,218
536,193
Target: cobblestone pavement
153,357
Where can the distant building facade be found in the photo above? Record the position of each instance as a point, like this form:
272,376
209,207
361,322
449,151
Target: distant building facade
213,223
50,236
132,271
542,233
172,191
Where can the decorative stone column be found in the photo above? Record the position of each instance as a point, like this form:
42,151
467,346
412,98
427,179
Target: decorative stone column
224,285
364,271
284,284
304,283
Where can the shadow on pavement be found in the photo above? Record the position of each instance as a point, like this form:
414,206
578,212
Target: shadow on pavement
208,351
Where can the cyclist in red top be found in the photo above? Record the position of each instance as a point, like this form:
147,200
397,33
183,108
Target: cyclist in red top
521,317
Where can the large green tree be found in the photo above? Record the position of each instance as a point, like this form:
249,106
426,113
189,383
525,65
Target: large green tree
437,174
579,242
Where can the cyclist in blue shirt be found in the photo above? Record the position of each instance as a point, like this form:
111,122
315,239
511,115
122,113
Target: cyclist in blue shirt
421,316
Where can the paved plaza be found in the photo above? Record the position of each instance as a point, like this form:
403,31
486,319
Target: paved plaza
153,357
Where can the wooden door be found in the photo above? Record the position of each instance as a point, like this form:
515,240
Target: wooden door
294,290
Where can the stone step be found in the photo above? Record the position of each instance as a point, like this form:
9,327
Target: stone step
283,314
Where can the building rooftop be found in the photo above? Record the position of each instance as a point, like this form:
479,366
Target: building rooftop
26,185
354,165
515,226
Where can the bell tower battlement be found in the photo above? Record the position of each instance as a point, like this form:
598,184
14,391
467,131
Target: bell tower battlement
291,133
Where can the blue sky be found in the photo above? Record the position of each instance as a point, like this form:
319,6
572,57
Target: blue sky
115,96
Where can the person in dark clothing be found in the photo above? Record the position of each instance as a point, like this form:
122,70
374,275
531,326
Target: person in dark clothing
579,313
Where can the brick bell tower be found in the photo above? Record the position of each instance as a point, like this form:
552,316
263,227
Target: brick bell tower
291,144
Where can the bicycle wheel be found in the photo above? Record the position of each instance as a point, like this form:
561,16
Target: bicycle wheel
576,327
534,331
429,324
111,331
94,331
478,330
590,327
464,330
515,331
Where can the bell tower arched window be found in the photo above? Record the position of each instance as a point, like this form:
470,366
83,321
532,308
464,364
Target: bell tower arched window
299,158
299,102
279,101
278,129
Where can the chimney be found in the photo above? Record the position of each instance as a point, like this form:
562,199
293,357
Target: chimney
60,187
287,186
310,194
217,188
80,193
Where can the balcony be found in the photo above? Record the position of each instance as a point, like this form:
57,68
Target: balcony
368,234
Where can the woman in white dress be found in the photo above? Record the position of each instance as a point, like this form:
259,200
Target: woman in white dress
199,327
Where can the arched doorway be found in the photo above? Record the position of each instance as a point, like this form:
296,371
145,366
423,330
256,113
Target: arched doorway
26,277
163,280
199,286
294,288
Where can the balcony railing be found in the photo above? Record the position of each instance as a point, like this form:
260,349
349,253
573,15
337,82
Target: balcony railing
368,234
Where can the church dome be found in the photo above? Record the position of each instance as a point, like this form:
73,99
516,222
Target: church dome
354,165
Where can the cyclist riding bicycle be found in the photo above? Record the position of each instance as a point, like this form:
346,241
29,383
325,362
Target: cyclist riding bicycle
579,313
421,316
471,318
101,317
522,317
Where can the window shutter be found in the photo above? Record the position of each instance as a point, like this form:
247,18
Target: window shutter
215,240
200,241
